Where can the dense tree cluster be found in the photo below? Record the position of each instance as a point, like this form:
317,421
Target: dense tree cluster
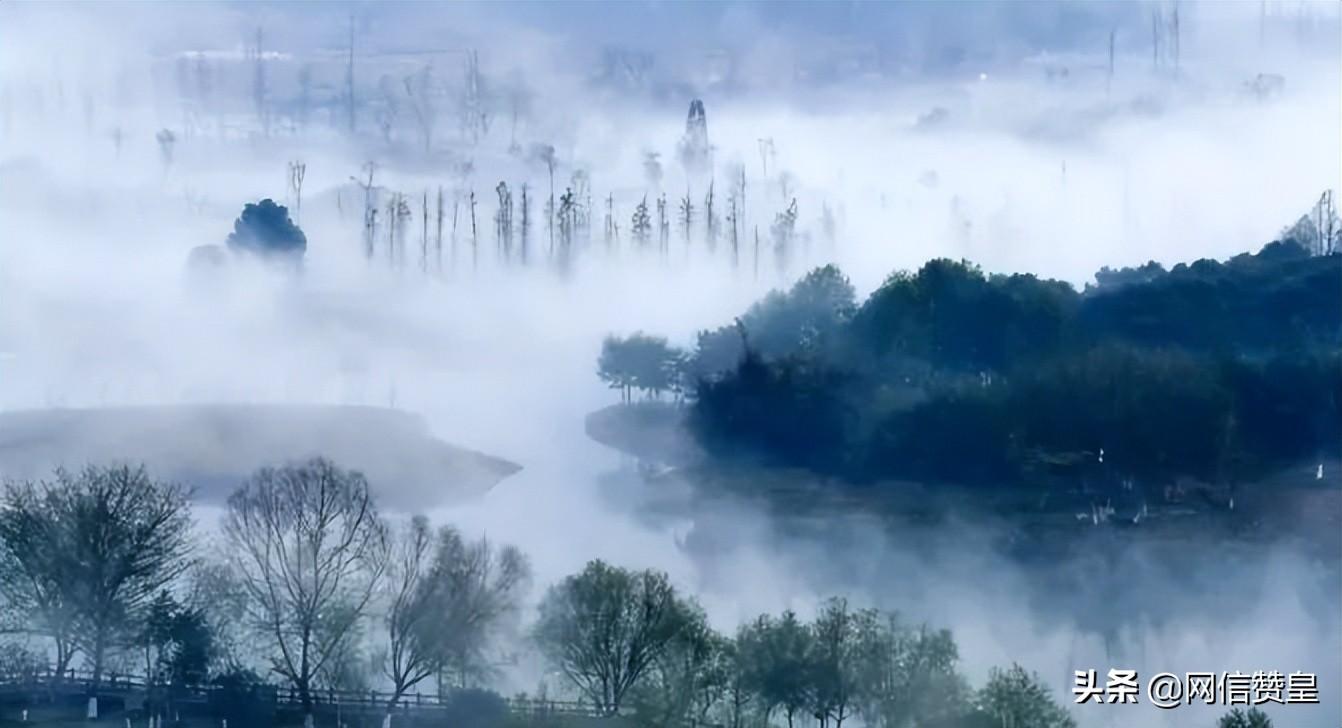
1214,370
632,645
264,228
639,362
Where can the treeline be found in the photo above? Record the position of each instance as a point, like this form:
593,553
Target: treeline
632,645
315,590
1220,371
440,229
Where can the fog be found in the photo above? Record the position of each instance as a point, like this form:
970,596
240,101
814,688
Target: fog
1024,168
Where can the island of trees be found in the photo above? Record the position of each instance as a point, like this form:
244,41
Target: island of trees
1217,372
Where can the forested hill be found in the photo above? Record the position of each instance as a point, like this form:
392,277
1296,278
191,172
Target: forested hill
1218,371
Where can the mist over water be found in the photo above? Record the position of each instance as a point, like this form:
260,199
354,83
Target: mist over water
1017,172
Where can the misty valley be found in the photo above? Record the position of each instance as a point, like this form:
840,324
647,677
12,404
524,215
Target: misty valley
651,365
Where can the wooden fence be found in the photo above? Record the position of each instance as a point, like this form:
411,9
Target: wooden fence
134,690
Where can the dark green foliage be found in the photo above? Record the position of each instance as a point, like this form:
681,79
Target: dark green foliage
960,434
1017,698
862,664
1155,413
1280,299
1108,279
264,228
641,362
792,412
178,642
778,655
605,627
805,319
686,680
954,316
1289,407
909,676
1237,718
1217,371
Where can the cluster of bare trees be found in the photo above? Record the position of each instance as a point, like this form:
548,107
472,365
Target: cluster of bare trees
1319,231
314,584
83,555
449,220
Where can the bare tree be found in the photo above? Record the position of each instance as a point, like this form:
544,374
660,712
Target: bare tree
438,238
767,153
475,240
663,225
166,141
756,263
710,219
1324,217
32,581
568,219
369,208
686,215
784,232
477,588
733,219
582,203
410,617
424,232
741,196
309,550
503,220
297,171
526,223
398,212
639,223
94,548
446,597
